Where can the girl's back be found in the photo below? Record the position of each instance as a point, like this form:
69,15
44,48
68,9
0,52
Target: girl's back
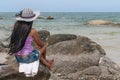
28,48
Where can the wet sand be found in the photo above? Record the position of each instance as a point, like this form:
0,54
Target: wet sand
111,45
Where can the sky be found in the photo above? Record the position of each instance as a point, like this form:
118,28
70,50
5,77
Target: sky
61,5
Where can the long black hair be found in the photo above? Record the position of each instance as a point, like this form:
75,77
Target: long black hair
19,34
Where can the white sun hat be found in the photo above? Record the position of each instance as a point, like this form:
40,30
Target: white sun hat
27,15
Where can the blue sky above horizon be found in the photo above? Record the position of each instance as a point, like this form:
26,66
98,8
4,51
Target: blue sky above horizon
61,5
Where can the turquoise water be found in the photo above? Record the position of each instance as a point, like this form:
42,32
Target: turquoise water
65,22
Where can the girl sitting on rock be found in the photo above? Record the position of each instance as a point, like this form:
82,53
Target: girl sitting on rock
21,44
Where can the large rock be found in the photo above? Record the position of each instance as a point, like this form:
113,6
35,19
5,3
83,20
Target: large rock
10,71
75,59
44,35
76,46
60,37
75,55
56,38
81,59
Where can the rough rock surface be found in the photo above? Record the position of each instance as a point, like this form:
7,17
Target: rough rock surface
81,59
75,59
10,71
60,37
44,35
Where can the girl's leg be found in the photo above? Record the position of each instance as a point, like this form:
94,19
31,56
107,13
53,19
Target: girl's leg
43,50
44,54
45,62
43,58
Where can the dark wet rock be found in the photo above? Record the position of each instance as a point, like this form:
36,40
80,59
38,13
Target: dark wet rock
47,18
1,18
44,35
76,46
50,18
60,37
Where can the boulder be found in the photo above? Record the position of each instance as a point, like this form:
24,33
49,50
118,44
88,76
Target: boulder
100,22
10,71
60,37
44,35
50,18
75,46
76,58
81,59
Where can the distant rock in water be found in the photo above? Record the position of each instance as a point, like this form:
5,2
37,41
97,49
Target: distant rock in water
40,17
47,18
50,18
100,22
1,18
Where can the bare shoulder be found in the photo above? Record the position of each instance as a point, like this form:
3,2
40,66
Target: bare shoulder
33,31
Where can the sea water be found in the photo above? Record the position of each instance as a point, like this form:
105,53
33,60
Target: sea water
74,23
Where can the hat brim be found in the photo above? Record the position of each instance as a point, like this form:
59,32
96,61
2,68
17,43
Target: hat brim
37,13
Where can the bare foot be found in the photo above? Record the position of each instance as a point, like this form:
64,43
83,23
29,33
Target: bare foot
51,62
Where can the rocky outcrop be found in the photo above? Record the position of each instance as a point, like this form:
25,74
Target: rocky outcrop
47,18
50,18
56,38
81,59
44,35
76,58
100,22
60,37
76,46
10,71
